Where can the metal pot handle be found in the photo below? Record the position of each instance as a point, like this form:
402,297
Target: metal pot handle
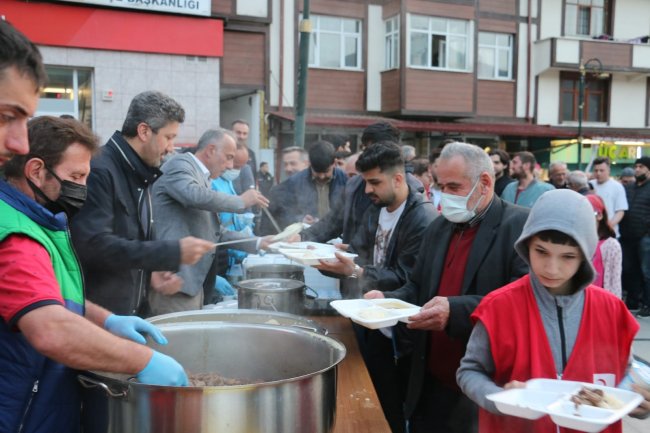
88,382
307,289
268,300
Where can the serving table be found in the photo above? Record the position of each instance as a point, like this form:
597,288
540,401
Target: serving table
357,406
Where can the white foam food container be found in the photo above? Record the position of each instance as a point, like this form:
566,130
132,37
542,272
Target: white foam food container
309,257
302,246
375,313
553,397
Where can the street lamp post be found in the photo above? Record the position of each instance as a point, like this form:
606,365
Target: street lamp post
596,67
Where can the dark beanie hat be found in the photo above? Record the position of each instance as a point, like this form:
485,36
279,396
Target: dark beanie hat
645,160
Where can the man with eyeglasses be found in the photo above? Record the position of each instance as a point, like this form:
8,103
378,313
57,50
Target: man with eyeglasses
113,232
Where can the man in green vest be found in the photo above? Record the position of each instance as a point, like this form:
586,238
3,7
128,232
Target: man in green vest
47,328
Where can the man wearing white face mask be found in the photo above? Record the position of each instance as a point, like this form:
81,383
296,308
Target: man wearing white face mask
463,256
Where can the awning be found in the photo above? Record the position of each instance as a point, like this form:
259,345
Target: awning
119,30
500,129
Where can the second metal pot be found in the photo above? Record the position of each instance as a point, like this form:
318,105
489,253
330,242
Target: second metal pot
274,294
276,270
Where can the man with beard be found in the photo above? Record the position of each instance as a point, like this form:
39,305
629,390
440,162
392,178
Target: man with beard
463,256
501,161
113,232
635,239
527,189
47,329
557,174
389,243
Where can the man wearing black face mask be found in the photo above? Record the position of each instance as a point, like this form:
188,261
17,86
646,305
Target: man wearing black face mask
47,329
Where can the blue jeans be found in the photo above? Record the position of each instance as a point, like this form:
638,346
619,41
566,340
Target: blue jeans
636,270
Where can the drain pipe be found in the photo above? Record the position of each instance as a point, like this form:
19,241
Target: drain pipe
528,61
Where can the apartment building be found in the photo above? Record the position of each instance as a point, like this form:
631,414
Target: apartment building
500,73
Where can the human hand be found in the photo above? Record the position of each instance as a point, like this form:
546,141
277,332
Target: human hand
223,286
433,316
343,266
253,197
166,283
294,238
308,219
162,370
133,328
266,241
514,384
374,294
192,249
643,410
342,247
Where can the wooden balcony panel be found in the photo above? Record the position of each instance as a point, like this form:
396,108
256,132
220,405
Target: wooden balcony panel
332,89
244,58
495,98
432,8
390,91
508,7
439,91
610,54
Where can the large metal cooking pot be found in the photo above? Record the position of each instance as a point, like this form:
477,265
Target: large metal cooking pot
274,294
259,317
276,270
297,394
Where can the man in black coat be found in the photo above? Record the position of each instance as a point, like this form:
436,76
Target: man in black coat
463,256
387,242
113,232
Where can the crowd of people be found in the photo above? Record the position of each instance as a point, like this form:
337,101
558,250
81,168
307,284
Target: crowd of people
517,278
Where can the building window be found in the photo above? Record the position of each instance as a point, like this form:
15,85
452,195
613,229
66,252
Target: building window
586,17
335,43
439,43
69,92
596,98
392,42
495,55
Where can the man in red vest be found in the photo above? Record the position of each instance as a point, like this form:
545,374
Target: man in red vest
552,323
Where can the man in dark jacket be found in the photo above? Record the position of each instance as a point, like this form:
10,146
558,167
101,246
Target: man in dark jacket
113,232
635,239
309,194
387,243
463,256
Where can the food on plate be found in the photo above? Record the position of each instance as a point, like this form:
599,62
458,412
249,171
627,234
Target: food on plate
372,313
393,305
596,397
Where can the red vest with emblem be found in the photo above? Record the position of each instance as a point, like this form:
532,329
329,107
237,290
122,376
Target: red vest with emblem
521,350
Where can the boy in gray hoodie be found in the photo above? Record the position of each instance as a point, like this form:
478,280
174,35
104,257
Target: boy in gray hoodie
552,323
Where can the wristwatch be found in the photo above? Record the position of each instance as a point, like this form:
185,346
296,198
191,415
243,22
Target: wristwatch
355,271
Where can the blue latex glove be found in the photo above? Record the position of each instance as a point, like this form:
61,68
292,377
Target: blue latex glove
133,328
223,286
162,370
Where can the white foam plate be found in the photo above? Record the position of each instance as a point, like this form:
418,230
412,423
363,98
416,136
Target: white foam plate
302,246
553,397
375,313
310,257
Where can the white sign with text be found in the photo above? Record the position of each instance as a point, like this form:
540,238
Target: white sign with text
185,7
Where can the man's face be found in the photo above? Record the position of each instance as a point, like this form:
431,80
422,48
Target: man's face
74,166
18,101
498,165
264,168
223,157
558,175
517,168
601,173
554,264
323,177
641,170
627,180
158,144
293,163
241,131
380,187
452,180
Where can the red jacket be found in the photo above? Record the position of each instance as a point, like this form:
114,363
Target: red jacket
521,351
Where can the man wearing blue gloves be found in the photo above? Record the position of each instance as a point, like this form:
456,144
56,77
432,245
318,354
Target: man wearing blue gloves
47,328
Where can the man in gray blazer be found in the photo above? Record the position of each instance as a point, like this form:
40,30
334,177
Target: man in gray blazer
185,204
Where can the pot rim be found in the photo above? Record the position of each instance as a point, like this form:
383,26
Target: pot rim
341,349
287,284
